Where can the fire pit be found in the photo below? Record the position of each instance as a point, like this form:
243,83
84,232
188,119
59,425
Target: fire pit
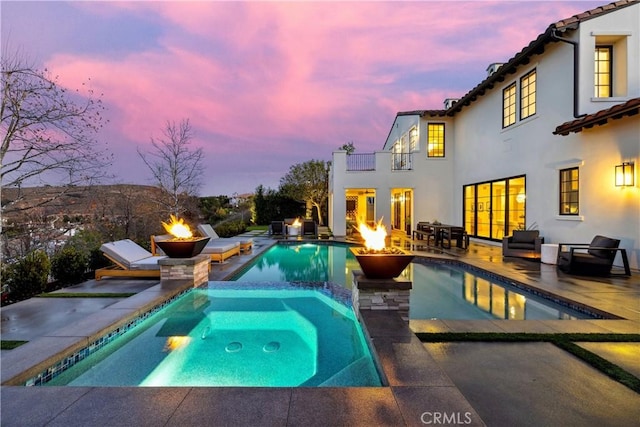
376,260
182,248
182,244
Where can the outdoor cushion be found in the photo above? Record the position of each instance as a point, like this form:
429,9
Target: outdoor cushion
217,247
525,236
125,251
208,231
603,242
150,263
522,245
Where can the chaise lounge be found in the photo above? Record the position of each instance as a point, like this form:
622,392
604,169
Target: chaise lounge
591,259
246,243
129,259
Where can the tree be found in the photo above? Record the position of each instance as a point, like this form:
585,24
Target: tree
348,147
308,181
175,168
48,135
47,131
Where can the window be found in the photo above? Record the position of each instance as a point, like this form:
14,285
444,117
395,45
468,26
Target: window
509,105
413,139
603,71
569,191
435,140
528,95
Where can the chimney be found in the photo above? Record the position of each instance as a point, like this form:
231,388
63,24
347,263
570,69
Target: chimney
448,103
492,68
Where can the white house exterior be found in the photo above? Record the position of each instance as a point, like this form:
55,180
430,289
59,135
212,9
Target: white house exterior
535,145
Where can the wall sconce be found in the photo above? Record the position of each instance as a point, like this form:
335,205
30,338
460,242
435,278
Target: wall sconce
624,175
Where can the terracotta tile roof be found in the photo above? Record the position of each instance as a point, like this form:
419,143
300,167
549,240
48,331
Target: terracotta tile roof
536,47
629,108
575,20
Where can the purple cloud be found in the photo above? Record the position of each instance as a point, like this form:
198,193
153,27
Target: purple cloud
269,84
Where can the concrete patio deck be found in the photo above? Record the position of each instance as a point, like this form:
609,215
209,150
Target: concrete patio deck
429,383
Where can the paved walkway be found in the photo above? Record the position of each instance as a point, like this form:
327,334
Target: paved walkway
430,383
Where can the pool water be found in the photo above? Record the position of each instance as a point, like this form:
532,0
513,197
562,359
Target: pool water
440,290
306,262
236,337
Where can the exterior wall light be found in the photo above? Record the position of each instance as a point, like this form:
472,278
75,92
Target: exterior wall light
624,175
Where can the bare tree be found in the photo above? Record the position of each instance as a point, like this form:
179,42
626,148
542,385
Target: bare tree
48,135
176,169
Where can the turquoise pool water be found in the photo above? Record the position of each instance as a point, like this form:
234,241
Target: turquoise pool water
440,290
273,336
305,262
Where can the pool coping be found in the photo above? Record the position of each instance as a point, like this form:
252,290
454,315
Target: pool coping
34,357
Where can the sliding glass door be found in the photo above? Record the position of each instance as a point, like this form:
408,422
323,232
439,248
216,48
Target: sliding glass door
494,209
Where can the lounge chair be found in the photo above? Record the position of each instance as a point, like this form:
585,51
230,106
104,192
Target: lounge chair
309,228
276,228
246,243
523,243
217,249
129,259
592,259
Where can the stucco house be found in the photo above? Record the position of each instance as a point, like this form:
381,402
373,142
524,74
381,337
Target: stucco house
537,144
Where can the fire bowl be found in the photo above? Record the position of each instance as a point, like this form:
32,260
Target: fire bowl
385,264
183,248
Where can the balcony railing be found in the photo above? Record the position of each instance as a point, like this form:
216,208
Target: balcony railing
402,161
361,162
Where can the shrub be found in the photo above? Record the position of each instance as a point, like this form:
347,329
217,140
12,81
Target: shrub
88,242
232,228
69,265
27,276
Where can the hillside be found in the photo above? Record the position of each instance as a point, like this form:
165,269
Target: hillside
101,200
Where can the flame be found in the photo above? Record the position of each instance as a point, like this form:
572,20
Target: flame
373,238
296,223
178,228
176,342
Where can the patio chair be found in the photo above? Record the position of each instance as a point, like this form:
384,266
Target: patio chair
458,234
129,259
591,259
309,227
276,228
424,231
246,243
523,244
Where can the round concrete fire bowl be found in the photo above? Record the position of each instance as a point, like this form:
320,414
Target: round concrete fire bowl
183,248
385,264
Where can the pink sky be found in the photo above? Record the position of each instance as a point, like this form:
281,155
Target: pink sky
267,85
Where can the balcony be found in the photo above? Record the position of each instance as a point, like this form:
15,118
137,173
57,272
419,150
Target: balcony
364,162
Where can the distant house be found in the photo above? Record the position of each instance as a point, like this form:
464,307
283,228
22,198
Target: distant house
535,145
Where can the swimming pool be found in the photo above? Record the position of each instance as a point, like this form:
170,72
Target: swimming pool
441,290
227,336
301,262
